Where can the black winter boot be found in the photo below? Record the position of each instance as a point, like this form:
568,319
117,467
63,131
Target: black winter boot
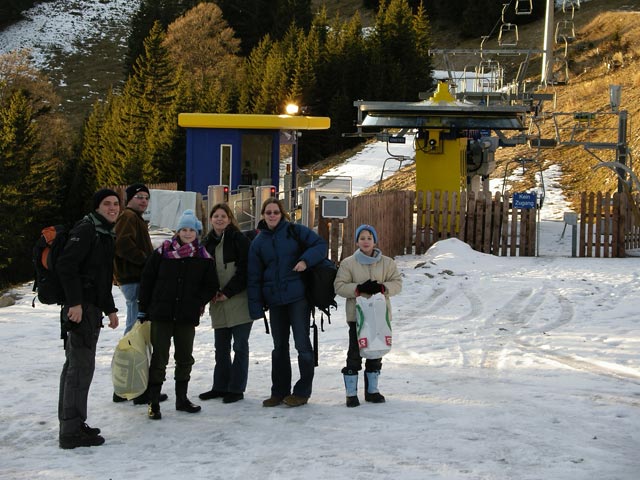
153,393
183,404
371,393
144,398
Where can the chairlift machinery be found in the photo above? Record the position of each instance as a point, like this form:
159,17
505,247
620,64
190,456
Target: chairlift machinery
528,163
508,33
454,143
457,134
396,138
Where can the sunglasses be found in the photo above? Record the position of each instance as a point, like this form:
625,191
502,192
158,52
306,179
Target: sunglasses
272,212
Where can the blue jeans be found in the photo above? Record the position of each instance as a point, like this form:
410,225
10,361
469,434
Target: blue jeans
228,375
295,316
130,292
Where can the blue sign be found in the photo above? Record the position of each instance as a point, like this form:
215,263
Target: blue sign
525,200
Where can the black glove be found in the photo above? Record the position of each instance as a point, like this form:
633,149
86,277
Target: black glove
370,287
142,317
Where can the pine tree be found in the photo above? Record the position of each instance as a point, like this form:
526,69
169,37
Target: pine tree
31,164
272,91
18,143
398,65
91,154
306,60
132,139
206,49
253,20
150,12
254,68
153,81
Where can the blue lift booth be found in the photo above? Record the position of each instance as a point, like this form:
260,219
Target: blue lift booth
240,149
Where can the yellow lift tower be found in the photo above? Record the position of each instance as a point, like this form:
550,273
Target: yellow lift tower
455,140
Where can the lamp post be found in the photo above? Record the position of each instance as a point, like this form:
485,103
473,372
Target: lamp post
615,94
293,109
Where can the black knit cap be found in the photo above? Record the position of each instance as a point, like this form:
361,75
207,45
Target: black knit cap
101,195
135,188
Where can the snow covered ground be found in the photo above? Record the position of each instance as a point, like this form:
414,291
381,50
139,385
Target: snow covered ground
67,25
502,368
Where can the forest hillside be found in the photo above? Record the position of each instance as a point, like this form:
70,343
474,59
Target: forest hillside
606,51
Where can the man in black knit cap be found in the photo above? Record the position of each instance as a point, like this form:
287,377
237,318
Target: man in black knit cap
85,268
133,246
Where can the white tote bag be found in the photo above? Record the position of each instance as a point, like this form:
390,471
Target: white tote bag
373,324
130,363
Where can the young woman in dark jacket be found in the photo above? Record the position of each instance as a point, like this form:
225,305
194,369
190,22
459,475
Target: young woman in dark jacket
178,281
229,310
277,258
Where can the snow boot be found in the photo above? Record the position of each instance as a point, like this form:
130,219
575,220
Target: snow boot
154,402
272,401
117,398
371,393
91,431
351,386
295,400
81,438
232,397
213,393
183,404
143,398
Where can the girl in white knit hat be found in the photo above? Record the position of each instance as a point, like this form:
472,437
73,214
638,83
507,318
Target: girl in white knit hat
178,280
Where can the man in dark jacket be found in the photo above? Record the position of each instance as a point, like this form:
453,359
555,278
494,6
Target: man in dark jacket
133,246
85,268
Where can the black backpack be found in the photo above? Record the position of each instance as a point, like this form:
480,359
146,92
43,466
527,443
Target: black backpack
46,251
320,291
319,282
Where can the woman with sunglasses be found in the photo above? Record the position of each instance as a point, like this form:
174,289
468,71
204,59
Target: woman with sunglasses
278,256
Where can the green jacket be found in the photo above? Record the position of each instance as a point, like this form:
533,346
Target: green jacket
230,254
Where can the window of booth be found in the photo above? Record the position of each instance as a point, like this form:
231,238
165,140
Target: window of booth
226,168
256,159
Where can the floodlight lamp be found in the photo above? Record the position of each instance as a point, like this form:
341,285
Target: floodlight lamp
292,109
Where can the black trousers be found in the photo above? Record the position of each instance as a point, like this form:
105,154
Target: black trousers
79,365
354,360
161,335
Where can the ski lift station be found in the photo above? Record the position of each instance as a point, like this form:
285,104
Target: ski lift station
454,143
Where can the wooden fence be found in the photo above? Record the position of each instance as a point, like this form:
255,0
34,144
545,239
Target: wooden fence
487,224
610,224
410,222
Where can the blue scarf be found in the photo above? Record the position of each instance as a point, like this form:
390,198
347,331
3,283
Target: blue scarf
366,259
